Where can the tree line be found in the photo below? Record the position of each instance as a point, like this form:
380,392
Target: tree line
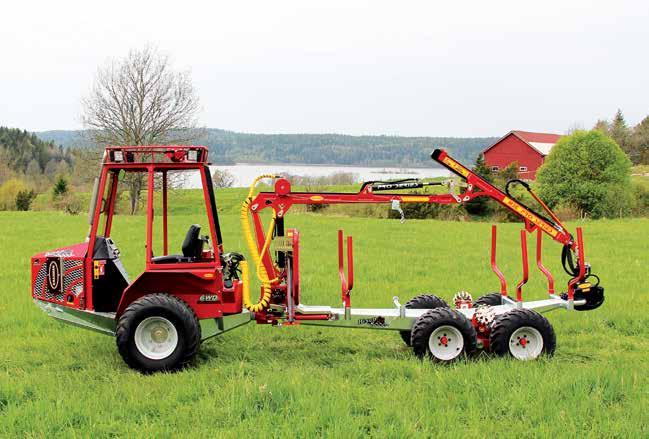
22,152
338,149
228,147
634,141
29,165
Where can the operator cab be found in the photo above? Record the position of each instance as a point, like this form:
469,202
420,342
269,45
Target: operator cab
161,169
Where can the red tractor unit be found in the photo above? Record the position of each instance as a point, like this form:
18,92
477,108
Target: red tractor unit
161,317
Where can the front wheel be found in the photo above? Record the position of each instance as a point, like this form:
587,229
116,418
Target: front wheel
158,332
522,333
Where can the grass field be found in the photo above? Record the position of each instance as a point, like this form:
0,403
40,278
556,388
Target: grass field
57,380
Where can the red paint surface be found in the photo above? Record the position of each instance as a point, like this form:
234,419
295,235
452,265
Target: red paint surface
538,137
514,148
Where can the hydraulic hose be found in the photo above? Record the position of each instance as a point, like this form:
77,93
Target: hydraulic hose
555,223
246,285
569,266
257,256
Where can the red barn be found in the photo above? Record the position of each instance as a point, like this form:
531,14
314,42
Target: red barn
528,149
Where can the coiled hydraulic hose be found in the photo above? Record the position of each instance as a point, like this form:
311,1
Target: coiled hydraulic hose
257,257
246,285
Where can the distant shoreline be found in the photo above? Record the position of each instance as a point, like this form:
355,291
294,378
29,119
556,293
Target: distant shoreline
323,165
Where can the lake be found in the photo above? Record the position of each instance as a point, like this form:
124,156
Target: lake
245,173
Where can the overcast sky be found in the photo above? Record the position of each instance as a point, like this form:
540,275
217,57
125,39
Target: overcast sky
433,68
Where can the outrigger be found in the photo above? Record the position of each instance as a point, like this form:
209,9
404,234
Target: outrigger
180,300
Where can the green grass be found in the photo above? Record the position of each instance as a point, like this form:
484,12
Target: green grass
57,380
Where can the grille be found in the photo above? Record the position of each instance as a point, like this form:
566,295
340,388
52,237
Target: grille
69,264
71,278
39,283
73,275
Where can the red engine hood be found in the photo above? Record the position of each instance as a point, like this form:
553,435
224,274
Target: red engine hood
72,251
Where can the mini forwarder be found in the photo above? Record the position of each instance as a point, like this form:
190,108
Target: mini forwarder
180,300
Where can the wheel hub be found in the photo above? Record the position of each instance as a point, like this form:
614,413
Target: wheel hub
156,338
446,343
159,335
526,343
523,342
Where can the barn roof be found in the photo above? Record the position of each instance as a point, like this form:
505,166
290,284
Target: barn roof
541,142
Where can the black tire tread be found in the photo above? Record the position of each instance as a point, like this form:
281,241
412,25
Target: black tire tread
434,318
491,299
505,324
422,301
125,329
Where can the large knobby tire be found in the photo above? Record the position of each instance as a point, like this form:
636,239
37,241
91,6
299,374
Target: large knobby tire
523,334
158,332
423,301
443,335
491,299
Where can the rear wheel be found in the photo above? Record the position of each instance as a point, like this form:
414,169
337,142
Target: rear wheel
158,332
491,299
444,335
522,333
423,301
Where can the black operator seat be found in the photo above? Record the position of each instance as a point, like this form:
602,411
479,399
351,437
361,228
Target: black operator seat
192,248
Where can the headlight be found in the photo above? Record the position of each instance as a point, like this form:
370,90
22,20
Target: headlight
192,155
118,156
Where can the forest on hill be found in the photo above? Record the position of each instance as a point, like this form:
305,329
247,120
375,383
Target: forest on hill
338,149
28,165
24,153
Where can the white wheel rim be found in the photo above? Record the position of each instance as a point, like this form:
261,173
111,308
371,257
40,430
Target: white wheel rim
156,338
526,343
446,343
